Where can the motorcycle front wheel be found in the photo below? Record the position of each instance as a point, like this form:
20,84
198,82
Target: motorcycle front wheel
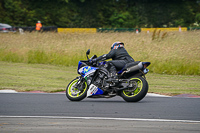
76,89
137,90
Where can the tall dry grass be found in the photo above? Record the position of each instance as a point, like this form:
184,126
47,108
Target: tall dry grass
169,52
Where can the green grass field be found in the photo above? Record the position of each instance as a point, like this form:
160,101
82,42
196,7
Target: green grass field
50,78
169,53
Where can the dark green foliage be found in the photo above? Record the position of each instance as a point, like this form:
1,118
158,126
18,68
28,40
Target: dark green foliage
100,13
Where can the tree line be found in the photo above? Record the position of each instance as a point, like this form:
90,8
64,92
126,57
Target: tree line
101,13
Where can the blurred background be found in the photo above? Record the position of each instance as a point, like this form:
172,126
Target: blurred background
101,13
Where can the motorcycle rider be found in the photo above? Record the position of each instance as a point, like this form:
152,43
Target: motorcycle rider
120,58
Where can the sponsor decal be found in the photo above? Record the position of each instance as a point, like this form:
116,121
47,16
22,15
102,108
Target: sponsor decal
93,90
86,69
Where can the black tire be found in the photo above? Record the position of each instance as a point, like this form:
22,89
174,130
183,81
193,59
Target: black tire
138,90
79,93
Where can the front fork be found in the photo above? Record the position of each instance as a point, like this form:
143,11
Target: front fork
79,84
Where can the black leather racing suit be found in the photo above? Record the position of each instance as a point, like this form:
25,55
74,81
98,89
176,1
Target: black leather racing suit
120,58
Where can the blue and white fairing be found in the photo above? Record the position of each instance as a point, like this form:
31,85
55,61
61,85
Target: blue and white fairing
85,71
94,90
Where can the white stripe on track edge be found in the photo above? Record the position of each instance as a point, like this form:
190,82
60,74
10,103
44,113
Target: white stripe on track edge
103,118
8,91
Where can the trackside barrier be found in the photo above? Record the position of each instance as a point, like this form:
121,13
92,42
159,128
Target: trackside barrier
77,30
193,28
43,29
49,28
118,29
163,29
136,30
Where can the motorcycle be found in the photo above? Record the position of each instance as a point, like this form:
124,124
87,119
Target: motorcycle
93,81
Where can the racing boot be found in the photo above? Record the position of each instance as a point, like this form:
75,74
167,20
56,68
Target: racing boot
112,76
113,72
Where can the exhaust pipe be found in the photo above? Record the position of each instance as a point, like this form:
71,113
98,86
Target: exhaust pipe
135,68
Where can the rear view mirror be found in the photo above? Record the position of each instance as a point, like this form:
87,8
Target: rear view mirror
88,52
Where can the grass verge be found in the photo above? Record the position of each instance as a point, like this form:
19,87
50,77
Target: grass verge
172,53
49,78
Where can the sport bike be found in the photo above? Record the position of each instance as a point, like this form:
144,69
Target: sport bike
93,81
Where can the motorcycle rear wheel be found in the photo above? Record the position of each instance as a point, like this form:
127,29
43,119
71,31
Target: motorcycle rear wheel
137,90
78,92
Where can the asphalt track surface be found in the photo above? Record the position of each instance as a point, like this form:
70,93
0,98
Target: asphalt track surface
28,112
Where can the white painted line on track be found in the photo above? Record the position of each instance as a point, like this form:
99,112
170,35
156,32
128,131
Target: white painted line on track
103,118
8,91
156,95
